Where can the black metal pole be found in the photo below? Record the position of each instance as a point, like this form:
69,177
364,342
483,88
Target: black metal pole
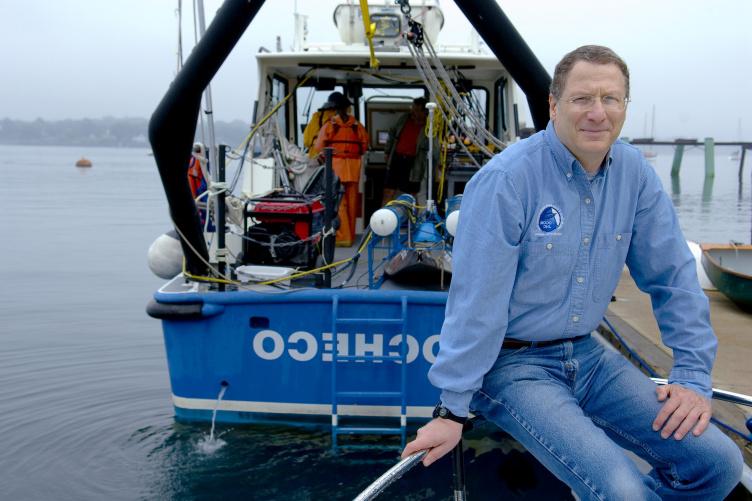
330,197
741,163
458,473
513,52
221,207
173,125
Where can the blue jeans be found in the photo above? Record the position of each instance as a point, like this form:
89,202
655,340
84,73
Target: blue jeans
576,405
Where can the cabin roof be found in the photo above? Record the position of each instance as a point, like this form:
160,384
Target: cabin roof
347,62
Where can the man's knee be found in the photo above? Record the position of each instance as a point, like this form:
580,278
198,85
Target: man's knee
624,484
723,466
714,470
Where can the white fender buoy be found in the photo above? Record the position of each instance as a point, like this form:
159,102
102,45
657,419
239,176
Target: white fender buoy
165,255
451,222
384,221
705,282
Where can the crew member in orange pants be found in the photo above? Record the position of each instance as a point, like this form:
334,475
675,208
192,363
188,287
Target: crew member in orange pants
349,140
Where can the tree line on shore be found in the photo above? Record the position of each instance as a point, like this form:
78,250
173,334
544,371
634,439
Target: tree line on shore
107,131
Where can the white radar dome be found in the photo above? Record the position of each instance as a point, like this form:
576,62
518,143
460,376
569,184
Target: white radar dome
165,256
384,222
451,222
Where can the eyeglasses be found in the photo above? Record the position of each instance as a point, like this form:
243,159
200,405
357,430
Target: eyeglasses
609,103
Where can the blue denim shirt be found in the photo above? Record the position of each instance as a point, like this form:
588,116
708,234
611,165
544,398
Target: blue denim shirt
539,251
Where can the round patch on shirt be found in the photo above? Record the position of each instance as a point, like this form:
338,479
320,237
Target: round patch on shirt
549,219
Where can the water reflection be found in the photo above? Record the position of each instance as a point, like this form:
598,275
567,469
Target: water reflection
277,462
676,189
707,192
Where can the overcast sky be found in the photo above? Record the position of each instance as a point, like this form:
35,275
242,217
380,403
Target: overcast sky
692,59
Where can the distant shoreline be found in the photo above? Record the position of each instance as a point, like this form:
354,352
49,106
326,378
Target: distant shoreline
106,132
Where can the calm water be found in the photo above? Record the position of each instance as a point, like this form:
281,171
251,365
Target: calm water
85,409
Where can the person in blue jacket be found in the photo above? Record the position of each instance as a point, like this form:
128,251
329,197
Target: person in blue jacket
545,230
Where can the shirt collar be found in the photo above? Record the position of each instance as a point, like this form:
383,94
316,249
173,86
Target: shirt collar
567,162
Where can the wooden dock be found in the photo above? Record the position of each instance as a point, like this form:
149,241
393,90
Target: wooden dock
631,315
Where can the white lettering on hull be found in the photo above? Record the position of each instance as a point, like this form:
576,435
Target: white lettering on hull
303,346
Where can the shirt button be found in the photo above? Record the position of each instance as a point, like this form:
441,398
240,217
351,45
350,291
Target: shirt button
586,240
580,280
618,237
569,175
575,319
587,201
549,246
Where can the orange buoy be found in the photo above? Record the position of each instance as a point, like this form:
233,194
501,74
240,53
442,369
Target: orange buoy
83,162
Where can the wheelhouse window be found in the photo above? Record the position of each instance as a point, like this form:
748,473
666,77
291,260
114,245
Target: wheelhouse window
387,25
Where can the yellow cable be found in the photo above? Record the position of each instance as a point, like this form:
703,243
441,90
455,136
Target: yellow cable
370,29
201,278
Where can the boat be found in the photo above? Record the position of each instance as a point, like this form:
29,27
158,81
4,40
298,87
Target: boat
83,162
729,267
268,312
696,251
264,320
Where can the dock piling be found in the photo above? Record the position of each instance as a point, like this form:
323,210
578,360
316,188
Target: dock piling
741,163
709,157
676,165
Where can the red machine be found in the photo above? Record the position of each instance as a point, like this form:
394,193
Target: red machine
282,229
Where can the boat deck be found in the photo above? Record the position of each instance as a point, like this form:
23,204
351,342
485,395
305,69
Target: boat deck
631,315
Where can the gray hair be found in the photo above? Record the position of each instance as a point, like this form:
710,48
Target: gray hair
596,54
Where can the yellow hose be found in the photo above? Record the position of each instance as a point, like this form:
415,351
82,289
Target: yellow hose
370,29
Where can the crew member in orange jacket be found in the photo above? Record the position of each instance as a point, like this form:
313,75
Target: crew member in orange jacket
195,173
196,181
319,118
349,140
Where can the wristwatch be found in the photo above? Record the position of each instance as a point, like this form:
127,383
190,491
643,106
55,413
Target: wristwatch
442,412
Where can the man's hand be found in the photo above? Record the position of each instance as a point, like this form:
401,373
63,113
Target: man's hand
439,435
682,411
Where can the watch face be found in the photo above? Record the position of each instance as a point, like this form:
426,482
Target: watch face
437,411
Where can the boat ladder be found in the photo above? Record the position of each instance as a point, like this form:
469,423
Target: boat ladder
338,396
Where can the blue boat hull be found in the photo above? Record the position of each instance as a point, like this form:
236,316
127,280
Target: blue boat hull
275,352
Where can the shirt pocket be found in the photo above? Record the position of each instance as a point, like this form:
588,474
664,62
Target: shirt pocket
610,254
544,271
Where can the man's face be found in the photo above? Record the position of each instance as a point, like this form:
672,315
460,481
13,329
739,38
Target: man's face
589,131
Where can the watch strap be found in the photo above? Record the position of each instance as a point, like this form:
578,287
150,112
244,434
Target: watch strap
442,412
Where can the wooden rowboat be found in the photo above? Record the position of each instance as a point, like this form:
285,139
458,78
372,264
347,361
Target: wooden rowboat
729,267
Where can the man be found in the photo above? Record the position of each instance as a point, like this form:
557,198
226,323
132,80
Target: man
546,228
350,141
407,152
319,118
196,181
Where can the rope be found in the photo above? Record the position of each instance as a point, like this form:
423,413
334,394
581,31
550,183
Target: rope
480,125
446,95
444,114
446,106
229,281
